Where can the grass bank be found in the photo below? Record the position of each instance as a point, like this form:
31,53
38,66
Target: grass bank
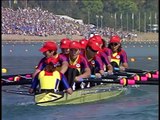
142,37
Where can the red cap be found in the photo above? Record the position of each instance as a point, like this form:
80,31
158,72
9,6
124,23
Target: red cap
115,39
49,45
64,43
83,43
75,44
94,45
98,38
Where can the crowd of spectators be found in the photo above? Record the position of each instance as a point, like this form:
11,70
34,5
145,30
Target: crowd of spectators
38,22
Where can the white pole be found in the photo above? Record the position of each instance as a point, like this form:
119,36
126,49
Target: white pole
121,21
145,22
101,21
132,21
155,17
97,21
88,17
139,22
115,16
127,22
10,4
150,21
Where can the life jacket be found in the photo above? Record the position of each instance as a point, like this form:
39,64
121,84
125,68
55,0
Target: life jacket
116,58
92,65
76,64
49,80
74,69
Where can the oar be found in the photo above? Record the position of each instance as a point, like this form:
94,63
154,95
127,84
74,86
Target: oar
22,81
27,75
138,77
131,70
18,92
122,81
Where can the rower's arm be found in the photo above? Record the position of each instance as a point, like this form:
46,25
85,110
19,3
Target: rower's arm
64,67
125,65
35,73
110,68
86,74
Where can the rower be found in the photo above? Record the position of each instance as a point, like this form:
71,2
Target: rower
83,43
101,53
78,66
49,49
94,61
118,55
49,79
64,45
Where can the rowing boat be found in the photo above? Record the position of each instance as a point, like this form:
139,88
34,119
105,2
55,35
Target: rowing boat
113,85
92,94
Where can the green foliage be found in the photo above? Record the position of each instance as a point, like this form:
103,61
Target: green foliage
88,9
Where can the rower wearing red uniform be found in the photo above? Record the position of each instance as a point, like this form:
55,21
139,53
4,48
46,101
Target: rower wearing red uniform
106,50
119,55
94,61
49,79
64,45
107,66
49,49
78,66
83,43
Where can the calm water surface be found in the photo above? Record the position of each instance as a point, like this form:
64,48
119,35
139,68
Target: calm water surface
139,103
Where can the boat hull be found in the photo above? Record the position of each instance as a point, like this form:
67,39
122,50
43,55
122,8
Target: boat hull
96,93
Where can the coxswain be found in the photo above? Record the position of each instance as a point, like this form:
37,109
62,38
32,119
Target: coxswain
49,49
49,79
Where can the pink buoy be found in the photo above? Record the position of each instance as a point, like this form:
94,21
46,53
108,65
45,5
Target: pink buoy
154,75
157,72
131,82
11,79
143,78
28,76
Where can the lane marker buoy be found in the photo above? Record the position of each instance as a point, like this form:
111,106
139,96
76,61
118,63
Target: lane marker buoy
4,70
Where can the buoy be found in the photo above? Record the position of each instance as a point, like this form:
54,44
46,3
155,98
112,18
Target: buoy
28,76
4,70
133,59
17,78
149,58
11,78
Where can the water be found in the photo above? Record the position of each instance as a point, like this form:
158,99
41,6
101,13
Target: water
139,103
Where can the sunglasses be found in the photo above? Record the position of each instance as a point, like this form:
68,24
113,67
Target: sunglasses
113,44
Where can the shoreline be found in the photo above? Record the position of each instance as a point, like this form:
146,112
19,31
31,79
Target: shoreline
143,37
